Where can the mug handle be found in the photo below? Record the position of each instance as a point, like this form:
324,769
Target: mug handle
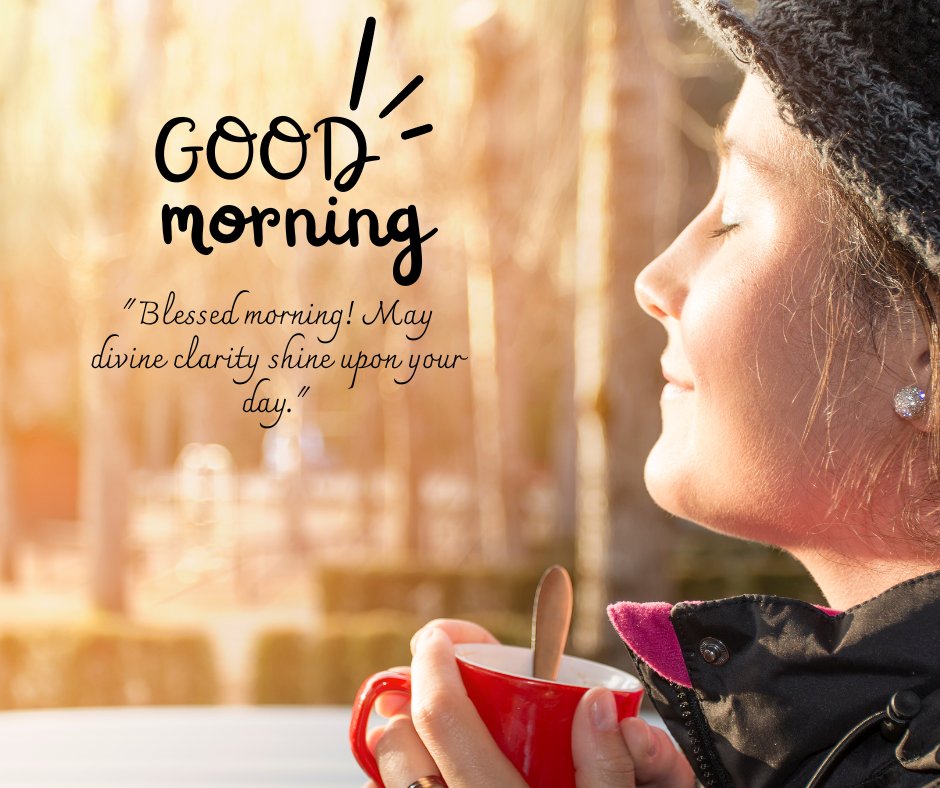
372,687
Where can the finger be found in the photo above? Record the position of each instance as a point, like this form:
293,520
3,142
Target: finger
372,737
657,762
601,757
448,722
389,704
457,631
401,756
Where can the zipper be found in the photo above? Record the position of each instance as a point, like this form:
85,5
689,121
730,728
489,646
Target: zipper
707,764
709,768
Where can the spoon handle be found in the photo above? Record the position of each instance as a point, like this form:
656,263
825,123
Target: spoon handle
551,617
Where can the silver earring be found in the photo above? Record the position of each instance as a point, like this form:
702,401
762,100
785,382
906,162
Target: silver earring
909,402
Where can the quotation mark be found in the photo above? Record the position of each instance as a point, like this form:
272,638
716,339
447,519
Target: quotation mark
303,391
130,303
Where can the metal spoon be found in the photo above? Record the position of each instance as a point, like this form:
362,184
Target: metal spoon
551,617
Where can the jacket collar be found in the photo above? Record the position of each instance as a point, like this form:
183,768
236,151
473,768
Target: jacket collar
791,677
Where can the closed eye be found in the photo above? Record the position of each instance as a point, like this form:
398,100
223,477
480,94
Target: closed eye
723,230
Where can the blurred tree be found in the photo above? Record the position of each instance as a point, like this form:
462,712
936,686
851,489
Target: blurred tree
17,57
404,441
501,60
517,214
106,434
626,211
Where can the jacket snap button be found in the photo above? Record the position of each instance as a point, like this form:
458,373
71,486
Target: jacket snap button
713,651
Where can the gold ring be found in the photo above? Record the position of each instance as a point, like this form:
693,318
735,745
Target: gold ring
431,781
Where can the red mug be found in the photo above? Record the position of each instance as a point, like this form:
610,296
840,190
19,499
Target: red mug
530,719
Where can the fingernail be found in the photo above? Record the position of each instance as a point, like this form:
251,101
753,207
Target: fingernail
604,711
415,638
653,746
419,638
424,637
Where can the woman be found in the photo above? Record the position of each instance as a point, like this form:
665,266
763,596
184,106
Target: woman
802,363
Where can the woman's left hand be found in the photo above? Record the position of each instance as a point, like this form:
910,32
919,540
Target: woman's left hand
445,736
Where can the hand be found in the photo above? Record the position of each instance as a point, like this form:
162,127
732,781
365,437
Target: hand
442,734
627,754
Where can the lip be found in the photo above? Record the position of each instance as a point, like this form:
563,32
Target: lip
675,380
672,390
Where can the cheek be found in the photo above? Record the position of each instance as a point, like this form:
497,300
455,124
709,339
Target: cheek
749,351
742,345
752,323
757,364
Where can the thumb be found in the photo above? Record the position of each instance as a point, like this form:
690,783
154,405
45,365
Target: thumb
601,757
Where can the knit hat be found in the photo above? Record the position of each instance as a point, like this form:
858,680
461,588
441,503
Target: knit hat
861,79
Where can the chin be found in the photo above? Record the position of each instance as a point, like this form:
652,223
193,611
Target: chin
675,485
666,480
679,489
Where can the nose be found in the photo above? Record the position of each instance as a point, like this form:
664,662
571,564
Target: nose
661,287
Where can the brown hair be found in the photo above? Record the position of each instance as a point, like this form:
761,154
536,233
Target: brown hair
874,276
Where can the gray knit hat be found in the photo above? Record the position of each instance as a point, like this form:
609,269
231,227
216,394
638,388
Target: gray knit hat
861,79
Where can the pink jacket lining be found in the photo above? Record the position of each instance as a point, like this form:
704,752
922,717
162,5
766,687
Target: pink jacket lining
646,628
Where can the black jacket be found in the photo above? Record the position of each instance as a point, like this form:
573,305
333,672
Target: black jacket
757,690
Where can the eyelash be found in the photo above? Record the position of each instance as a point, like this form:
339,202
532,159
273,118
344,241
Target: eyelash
723,230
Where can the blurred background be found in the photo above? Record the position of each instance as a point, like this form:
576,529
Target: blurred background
156,545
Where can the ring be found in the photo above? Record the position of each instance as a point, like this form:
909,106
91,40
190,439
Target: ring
431,781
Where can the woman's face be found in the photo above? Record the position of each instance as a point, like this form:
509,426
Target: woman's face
746,342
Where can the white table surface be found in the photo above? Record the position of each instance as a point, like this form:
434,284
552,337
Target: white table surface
194,747
211,747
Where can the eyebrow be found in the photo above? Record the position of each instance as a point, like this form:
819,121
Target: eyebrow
726,146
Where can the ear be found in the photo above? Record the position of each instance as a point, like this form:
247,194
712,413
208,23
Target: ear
922,340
